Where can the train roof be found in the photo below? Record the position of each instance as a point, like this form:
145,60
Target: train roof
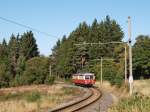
84,74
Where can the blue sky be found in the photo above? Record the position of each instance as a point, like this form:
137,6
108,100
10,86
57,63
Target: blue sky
59,17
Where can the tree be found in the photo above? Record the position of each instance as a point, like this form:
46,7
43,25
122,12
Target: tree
94,37
13,53
4,78
82,58
80,53
20,68
109,31
3,50
64,59
36,71
13,57
141,57
28,46
70,58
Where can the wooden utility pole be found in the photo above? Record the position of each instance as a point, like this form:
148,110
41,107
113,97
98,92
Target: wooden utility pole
101,70
130,57
50,70
125,64
113,42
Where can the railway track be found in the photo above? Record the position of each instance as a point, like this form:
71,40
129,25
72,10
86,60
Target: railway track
80,104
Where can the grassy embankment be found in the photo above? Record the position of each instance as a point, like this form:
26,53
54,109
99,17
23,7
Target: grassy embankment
132,104
139,102
34,98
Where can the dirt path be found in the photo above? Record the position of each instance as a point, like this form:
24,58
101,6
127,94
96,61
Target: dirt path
106,101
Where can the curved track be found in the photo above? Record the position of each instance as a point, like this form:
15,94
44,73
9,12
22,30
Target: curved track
76,106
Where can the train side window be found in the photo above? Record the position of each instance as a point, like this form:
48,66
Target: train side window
93,77
80,77
87,77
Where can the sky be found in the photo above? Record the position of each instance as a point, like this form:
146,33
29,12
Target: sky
61,17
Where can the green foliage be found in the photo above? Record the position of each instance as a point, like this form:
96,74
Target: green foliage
10,96
36,70
20,67
118,79
13,56
20,64
4,79
70,58
49,80
28,47
17,81
33,96
68,91
111,74
141,57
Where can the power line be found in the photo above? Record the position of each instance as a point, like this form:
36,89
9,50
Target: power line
25,26
99,43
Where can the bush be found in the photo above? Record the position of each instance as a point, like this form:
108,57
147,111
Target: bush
10,96
68,91
33,96
118,79
4,77
36,70
114,76
17,81
4,84
28,96
49,80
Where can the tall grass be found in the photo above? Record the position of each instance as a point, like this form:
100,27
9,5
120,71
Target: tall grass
31,96
132,104
34,100
68,91
10,96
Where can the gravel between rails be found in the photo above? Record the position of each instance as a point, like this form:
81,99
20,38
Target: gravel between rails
101,105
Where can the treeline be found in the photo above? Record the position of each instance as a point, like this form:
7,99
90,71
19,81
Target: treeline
70,54
141,57
68,57
20,62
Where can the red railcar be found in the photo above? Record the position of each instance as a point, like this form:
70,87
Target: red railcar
87,79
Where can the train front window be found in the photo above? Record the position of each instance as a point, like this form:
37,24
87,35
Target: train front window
91,77
88,77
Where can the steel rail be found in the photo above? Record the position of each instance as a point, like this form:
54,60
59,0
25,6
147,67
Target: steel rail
76,106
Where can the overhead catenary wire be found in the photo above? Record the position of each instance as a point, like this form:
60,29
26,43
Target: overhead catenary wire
99,43
112,42
25,26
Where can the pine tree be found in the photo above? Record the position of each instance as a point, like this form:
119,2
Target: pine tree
3,51
13,54
109,31
70,58
28,46
141,57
